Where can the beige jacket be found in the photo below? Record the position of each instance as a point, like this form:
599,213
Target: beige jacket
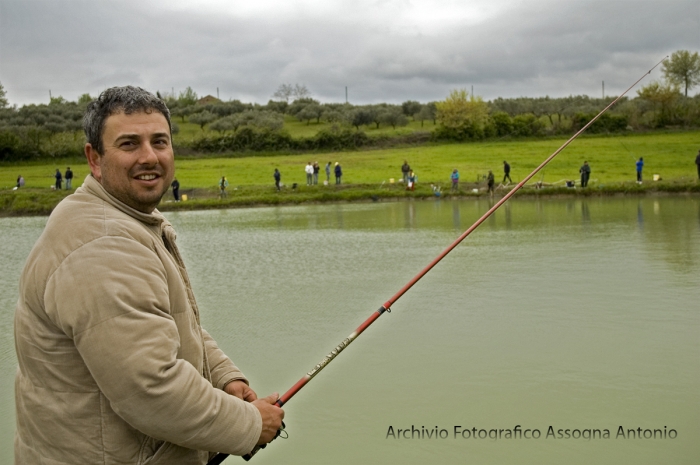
114,367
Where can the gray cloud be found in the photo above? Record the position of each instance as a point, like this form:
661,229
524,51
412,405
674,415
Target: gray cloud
383,51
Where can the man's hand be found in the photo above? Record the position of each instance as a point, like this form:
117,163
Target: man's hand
241,390
272,416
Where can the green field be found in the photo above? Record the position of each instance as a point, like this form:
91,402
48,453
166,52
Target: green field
369,173
612,159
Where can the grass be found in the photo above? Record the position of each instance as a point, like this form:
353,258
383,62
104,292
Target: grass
367,173
612,160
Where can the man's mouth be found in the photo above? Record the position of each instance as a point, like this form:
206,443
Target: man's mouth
146,177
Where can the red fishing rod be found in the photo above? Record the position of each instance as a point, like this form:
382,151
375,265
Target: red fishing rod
387,305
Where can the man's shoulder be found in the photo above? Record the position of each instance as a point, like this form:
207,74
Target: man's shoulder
91,218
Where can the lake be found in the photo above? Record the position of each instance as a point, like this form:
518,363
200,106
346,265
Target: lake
556,314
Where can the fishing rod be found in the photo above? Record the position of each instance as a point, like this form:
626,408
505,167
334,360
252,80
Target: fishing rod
386,308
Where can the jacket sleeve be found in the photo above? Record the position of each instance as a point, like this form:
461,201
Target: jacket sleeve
222,368
120,320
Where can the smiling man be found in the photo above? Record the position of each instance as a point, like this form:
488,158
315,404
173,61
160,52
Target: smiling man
134,160
114,367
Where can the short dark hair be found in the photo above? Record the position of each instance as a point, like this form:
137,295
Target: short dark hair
127,99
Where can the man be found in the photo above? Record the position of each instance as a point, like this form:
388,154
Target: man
640,166
328,173
69,179
317,168
176,189
490,181
114,367
506,172
278,177
405,169
585,171
697,162
338,172
309,173
59,179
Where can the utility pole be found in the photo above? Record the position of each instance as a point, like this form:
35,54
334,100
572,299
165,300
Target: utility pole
346,94
472,90
603,90
217,92
50,95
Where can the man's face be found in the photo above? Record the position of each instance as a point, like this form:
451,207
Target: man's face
138,163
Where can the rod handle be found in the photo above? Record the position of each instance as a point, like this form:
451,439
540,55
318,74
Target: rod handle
218,458
256,449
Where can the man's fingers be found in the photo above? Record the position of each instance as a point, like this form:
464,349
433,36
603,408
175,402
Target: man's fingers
271,415
250,396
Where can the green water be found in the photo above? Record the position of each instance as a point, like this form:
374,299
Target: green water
571,313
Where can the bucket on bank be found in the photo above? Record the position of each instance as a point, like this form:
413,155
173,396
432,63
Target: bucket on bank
183,197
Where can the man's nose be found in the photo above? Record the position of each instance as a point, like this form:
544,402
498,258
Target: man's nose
148,155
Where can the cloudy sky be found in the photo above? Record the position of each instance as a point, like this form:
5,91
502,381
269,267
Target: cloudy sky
382,50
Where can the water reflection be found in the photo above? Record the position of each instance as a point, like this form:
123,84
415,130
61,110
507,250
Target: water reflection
456,221
640,216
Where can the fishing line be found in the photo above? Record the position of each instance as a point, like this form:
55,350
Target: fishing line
386,308
628,151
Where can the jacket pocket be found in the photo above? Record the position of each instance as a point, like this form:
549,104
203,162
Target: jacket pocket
152,451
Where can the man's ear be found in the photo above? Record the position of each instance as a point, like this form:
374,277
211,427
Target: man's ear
93,159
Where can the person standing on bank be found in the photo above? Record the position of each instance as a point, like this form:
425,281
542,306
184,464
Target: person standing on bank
338,172
59,179
455,180
317,168
278,177
411,185
506,172
405,169
490,181
328,172
176,189
69,179
114,366
697,162
640,166
20,181
309,173
223,184
585,171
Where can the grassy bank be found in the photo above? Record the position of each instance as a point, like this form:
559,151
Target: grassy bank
25,202
367,174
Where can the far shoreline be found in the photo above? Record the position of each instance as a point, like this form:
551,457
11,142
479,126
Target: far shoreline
41,202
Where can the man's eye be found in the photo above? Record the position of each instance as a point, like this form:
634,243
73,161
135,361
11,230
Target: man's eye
127,144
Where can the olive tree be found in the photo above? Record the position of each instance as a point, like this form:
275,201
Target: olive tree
202,118
410,108
393,116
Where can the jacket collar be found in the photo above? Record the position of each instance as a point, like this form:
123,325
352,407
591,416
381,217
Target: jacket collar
155,218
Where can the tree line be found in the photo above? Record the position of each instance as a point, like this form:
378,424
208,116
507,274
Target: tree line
54,129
